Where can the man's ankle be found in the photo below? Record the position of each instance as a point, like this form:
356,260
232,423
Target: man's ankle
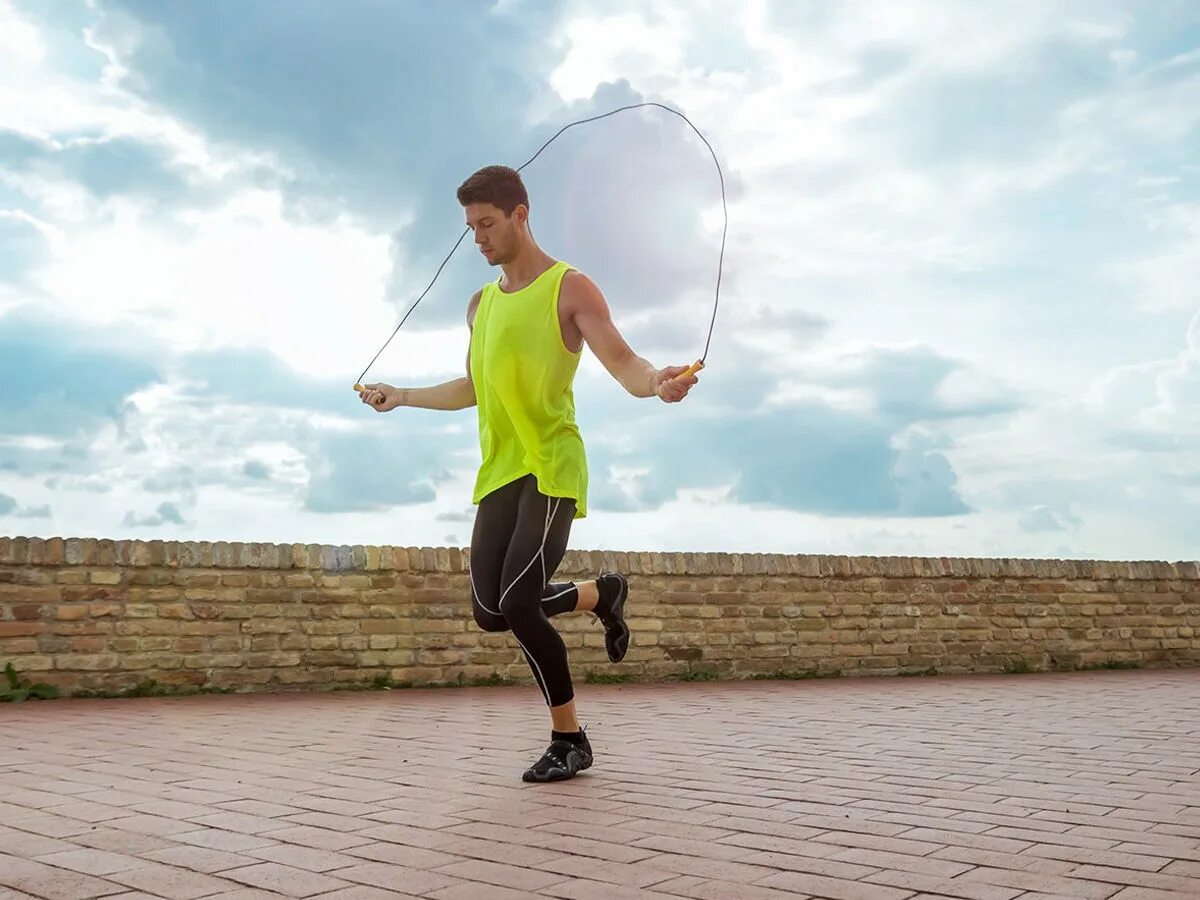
606,593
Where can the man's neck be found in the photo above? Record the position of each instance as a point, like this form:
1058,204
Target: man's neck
530,262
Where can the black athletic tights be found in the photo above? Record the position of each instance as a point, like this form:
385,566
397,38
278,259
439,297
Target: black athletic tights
519,540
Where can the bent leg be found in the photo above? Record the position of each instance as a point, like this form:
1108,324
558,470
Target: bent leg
538,544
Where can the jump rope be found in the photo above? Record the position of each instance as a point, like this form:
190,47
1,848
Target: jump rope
699,363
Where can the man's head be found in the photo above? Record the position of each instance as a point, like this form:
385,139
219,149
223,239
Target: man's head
497,209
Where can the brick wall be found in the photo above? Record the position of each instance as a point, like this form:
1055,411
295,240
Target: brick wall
106,615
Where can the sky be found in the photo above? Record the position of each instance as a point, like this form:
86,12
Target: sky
960,297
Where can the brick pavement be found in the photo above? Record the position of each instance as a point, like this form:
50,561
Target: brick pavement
980,788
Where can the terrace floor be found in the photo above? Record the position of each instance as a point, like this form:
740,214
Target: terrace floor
1082,785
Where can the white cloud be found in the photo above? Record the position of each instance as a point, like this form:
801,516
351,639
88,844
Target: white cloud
1178,386
1168,277
21,43
239,275
606,47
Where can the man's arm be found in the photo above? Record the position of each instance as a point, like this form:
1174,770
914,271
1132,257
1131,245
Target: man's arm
449,395
591,315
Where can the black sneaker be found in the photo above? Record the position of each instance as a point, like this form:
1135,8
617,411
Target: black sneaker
561,760
616,632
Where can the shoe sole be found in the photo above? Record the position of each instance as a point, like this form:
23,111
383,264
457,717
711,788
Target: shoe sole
620,644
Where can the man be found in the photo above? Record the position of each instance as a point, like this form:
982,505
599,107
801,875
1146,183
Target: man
527,330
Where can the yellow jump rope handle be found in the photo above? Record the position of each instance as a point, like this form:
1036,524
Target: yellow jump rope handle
359,388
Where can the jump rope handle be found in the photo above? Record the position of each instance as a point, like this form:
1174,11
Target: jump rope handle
359,388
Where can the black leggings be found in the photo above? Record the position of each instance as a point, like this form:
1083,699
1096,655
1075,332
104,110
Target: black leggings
519,540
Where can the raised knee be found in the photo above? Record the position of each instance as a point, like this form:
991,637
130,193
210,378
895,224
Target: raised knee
489,621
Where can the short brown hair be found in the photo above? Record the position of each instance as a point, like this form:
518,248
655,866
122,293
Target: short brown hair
498,185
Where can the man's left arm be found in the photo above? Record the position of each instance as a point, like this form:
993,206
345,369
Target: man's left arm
591,314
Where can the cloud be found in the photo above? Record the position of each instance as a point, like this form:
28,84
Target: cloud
795,449
360,471
1179,384
166,514
956,41
209,419
104,165
94,483
368,142
1042,518
22,246
256,470
252,376
176,479
1167,277
236,275
10,507
59,382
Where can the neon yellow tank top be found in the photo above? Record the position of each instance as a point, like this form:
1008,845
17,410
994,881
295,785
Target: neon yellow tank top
523,375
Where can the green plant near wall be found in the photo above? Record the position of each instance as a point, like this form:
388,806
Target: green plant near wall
16,689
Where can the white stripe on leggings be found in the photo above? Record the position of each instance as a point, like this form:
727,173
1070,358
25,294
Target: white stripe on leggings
540,553
559,594
541,679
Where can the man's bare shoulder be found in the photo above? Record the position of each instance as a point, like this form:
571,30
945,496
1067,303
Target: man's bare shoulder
579,292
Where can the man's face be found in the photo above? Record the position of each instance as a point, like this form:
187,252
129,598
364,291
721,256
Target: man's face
495,233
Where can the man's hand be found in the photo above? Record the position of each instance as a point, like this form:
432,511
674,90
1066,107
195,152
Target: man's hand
671,389
380,397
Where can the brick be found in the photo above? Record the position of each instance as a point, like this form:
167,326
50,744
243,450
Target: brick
469,890
299,857
218,839
21,629
832,888
200,859
584,889
881,859
318,838
91,862
361,892
1163,880
285,880
944,887
28,846
388,876
1032,881
411,857
530,880
51,882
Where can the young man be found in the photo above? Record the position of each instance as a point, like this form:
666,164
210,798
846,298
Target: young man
528,329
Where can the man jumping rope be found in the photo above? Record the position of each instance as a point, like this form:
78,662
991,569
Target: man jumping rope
527,330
